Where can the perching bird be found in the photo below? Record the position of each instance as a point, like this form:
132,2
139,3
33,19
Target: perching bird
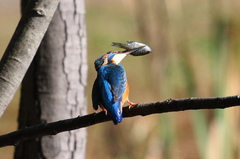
110,90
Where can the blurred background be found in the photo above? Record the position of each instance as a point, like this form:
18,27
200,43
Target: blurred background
196,47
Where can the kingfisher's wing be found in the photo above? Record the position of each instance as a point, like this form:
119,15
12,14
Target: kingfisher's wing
113,108
112,83
117,79
96,94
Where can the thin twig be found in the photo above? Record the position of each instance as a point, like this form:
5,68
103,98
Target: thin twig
143,109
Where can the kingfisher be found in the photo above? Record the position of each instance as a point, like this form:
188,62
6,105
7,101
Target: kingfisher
110,89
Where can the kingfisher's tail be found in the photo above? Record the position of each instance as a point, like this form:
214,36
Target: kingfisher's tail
115,111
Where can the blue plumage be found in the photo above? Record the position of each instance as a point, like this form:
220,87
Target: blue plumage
109,86
108,89
111,89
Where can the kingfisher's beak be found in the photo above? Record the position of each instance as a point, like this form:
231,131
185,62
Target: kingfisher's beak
118,57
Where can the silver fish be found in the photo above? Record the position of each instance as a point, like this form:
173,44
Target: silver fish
145,49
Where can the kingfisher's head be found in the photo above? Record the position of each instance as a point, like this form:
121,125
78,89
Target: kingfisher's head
110,58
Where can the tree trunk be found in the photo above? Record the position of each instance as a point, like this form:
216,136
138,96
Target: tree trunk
23,47
55,85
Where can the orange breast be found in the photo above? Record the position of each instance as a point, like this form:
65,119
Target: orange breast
125,94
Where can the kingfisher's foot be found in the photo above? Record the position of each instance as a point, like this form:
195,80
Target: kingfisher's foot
131,104
105,111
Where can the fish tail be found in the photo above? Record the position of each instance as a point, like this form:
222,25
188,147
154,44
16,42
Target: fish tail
121,45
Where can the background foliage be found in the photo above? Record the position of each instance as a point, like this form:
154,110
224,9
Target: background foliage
195,53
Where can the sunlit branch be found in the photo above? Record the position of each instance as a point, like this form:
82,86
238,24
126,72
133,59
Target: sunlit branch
143,109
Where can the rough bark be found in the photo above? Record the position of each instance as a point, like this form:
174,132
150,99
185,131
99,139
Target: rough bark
23,46
56,84
170,105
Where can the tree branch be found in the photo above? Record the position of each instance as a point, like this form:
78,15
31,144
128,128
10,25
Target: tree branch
170,105
23,47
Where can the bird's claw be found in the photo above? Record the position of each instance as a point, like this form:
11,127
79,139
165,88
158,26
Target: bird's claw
131,104
105,111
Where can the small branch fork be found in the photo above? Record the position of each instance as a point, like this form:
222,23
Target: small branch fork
143,109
